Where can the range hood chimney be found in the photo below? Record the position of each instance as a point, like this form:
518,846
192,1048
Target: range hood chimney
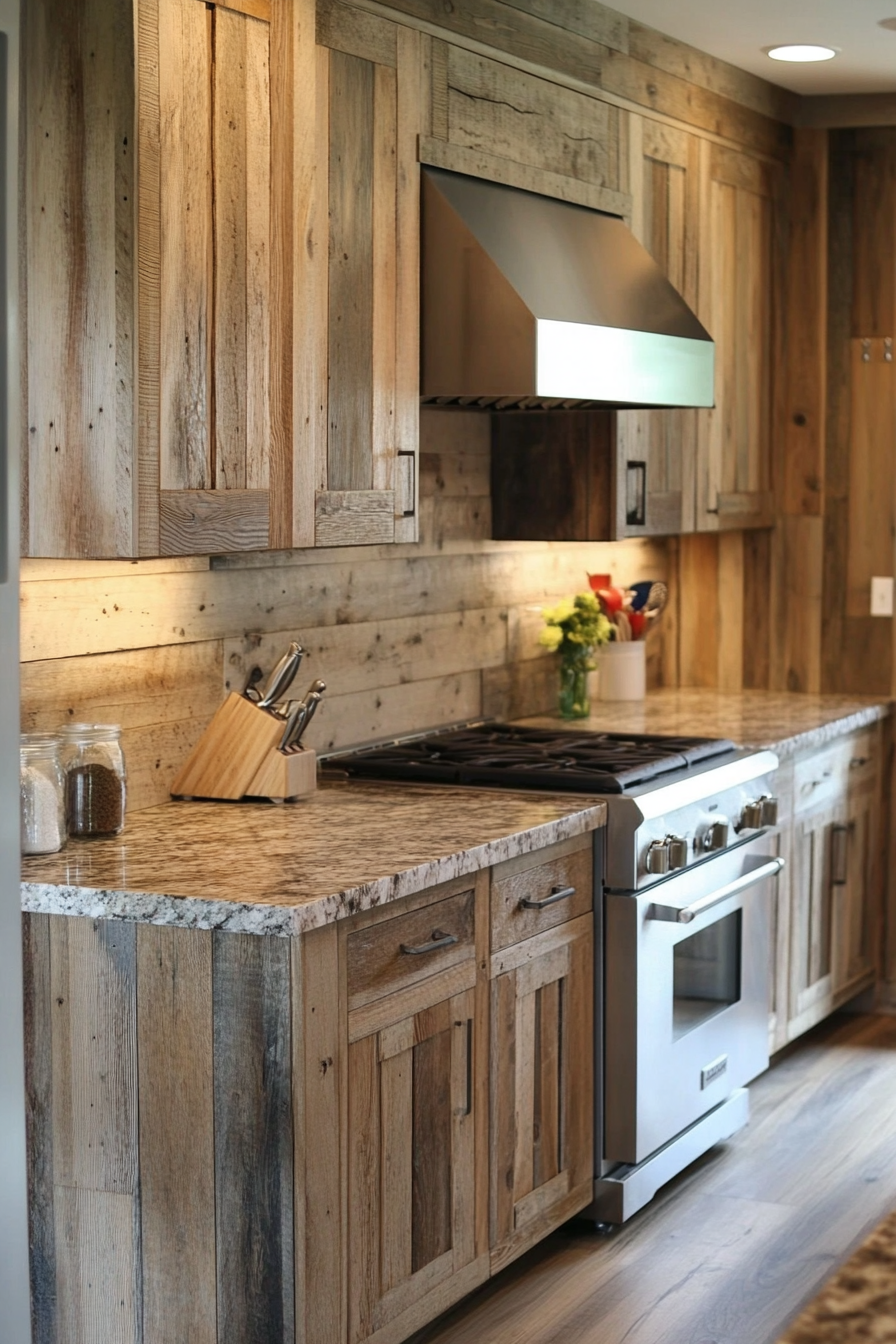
533,302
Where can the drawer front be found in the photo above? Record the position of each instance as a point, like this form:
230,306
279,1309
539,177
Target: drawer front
820,780
526,901
863,758
398,952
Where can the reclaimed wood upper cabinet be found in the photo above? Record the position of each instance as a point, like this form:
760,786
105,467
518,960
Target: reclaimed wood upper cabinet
157,308
661,445
738,284
370,97
206,293
221,292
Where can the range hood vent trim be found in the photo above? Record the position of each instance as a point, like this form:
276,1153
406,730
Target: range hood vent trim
532,301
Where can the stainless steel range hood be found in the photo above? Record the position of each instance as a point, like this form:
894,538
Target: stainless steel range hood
532,301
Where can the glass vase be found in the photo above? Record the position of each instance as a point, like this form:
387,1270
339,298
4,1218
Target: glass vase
573,701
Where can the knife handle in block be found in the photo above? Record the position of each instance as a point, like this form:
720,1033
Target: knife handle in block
283,776
230,753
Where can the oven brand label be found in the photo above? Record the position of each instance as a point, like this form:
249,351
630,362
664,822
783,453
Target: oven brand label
713,1071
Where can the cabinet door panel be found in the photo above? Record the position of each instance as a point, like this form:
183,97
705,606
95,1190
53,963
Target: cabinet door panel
412,1115
371,99
857,895
242,185
185,197
215,315
77,202
542,1072
665,218
811,888
350,447
738,267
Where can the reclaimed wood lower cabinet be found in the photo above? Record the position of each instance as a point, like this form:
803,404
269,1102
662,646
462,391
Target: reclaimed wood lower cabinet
830,815
542,1053
328,1138
416,1110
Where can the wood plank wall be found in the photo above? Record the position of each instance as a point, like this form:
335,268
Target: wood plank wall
411,636
406,637
860,457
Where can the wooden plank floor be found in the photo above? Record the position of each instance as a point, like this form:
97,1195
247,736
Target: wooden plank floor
733,1248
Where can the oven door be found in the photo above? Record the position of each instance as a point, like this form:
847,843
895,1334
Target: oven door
686,985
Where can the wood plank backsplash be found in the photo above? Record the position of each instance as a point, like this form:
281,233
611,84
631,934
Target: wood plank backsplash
407,637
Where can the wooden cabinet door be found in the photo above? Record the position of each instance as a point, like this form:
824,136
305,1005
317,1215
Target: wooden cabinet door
209,324
664,168
815,849
855,889
370,101
78,465
542,1072
416,1119
737,288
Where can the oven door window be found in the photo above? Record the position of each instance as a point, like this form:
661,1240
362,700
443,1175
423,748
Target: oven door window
706,973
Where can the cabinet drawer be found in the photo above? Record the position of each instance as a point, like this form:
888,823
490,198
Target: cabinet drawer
398,952
862,760
820,779
547,882
823,778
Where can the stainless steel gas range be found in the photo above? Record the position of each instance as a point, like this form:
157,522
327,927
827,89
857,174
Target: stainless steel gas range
682,892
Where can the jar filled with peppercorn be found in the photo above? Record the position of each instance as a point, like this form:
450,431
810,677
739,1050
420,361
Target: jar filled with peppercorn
95,779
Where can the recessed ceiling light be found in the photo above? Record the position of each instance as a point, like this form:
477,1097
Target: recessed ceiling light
800,51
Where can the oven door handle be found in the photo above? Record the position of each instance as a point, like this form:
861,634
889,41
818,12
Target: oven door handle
686,914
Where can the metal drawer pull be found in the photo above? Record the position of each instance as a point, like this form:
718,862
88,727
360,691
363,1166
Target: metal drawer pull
557,894
674,914
858,761
439,939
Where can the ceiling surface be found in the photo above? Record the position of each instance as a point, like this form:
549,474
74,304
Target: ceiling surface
737,30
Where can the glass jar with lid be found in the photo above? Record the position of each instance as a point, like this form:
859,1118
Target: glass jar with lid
95,778
42,793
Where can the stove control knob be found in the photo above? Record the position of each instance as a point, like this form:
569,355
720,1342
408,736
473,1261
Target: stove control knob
769,810
678,851
751,817
657,857
717,836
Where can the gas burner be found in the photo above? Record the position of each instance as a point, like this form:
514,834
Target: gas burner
534,758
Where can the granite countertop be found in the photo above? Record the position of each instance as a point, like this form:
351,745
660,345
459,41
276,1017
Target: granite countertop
259,868
859,1303
780,721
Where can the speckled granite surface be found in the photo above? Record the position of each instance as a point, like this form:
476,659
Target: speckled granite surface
785,723
257,868
858,1304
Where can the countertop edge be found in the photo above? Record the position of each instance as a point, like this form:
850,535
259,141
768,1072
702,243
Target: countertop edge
812,739
193,912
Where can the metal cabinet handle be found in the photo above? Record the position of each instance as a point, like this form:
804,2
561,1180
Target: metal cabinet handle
686,914
839,851
439,939
858,761
557,894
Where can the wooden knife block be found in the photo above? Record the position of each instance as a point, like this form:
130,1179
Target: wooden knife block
238,756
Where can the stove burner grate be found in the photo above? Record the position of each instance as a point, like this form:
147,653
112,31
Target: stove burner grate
534,758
